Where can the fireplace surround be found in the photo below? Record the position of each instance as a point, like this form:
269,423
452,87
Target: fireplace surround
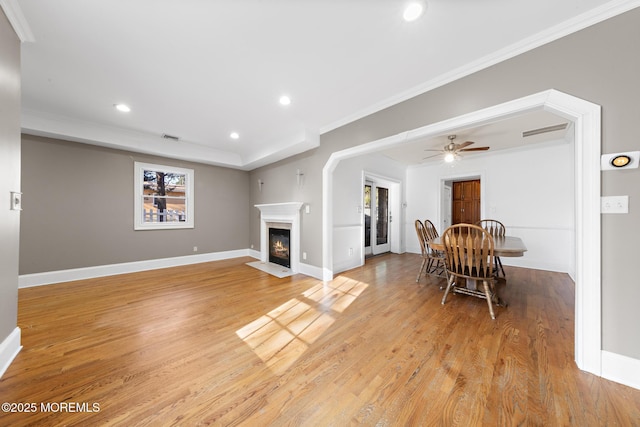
282,216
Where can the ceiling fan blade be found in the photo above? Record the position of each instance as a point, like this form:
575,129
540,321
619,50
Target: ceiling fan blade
429,157
433,149
476,149
464,144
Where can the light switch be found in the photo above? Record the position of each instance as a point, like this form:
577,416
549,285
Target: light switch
614,204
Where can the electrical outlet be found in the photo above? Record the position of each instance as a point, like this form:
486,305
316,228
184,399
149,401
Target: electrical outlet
195,249
350,251
614,204
304,255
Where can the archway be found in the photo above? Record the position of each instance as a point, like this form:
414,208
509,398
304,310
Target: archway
587,125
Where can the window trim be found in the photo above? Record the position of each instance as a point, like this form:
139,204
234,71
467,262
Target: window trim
138,223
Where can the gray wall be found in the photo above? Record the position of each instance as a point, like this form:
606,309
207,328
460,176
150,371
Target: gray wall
280,185
78,208
600,64
10,167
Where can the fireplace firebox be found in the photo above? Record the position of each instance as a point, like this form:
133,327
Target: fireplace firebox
279,249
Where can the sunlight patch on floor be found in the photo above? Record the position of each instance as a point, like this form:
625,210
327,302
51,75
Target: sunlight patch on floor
281,336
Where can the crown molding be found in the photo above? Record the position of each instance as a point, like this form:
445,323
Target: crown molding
51,125
570,26
19,23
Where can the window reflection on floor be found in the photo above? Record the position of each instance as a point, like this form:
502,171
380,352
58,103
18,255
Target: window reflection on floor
281,336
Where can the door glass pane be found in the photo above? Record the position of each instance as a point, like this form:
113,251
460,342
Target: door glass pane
382,215
367,215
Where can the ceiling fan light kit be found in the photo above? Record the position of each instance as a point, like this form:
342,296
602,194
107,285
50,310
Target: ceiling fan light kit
452,150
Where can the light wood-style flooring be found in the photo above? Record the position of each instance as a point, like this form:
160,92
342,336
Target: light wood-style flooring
222,343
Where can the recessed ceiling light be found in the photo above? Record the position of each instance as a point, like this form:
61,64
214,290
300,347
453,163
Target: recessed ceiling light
234,135
122,107
413,11
285,100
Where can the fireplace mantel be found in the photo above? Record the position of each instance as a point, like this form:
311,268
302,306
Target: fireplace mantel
287,209
288,213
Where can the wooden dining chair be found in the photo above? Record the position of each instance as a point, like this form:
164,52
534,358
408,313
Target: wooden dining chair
432,261
469,255
422,239
497,230
436,264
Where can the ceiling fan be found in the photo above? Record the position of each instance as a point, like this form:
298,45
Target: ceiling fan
452,149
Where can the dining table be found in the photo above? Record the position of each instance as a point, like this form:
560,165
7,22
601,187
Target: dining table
505,246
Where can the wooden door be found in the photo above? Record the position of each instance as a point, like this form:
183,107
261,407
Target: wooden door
466,202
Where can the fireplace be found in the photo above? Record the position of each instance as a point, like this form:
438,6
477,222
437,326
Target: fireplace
282,216
279,248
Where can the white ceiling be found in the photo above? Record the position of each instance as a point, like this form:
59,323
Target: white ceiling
201,69
505,134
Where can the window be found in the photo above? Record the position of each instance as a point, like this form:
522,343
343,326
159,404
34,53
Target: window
163,197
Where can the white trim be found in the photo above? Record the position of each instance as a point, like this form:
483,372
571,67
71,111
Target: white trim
9,349
466,176
396,195
621,369
53,125
138,192
52,277
587,121
289,213
14,14
49,277
254,254
311,271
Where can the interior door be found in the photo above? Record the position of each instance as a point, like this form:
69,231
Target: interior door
466,202
377,218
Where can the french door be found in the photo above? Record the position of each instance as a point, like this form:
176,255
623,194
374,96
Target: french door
376,219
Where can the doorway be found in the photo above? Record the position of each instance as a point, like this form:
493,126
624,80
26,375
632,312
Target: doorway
461,200
465,202
377,217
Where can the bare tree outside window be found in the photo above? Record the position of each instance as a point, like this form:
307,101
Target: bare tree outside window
166,197
168,190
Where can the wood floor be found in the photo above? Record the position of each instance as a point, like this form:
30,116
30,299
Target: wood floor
222,343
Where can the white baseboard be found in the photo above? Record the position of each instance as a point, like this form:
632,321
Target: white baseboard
47,278
254,254
9,349
621,369
50,277
311,270
346,264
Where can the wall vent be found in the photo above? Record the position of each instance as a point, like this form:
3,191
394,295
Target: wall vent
544,130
